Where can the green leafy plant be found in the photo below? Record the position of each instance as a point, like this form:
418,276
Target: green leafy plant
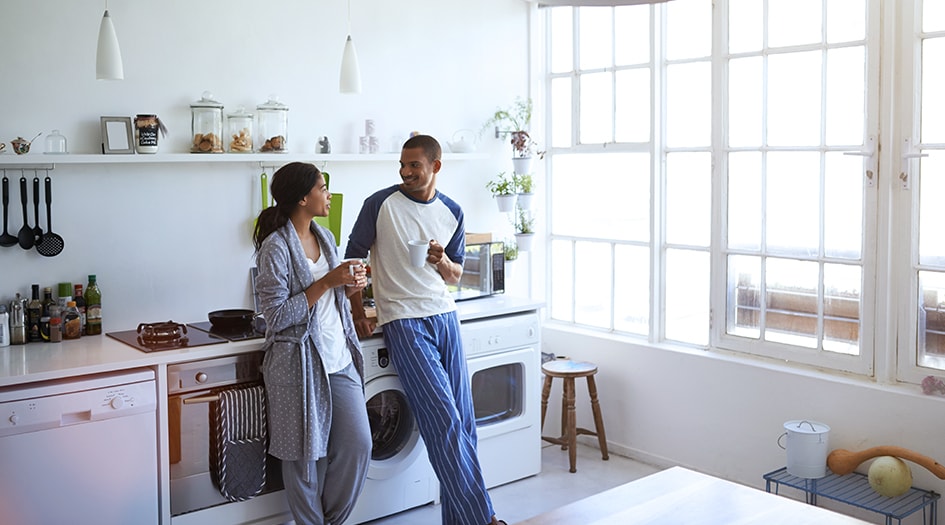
524,183
502,184
510,249
524,222
515,120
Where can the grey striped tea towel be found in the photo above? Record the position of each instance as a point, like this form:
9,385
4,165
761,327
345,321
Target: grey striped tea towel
238,439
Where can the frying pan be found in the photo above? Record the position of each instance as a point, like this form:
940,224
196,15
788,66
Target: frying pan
6,239
51,244
25,236
232,319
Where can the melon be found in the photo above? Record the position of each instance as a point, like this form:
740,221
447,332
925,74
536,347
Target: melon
890,476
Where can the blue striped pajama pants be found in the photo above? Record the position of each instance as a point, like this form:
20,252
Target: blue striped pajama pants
428,355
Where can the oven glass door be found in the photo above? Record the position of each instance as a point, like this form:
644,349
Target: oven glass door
499,390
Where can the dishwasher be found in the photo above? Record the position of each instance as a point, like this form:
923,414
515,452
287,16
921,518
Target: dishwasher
80,450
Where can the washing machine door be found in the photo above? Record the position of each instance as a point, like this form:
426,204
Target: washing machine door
397,443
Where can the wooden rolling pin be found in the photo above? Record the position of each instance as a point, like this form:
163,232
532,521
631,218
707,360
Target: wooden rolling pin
842,462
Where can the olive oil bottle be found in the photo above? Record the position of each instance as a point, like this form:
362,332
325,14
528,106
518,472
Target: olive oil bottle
93,308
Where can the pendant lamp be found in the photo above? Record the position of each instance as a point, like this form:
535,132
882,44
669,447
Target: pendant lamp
108,57
350,81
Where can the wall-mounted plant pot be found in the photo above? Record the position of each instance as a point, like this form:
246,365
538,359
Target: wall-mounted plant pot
506,203
525,200
524,241
522,165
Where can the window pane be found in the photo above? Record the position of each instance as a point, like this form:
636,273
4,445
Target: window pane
843,206
931,323
595,32
687,296
632,289
744,201
745,105
593,286
846,20
794,99
562,45
689,29
791,302
688,104
933,85
561,112
793,203
632,34
745,25
842,285
846,92
633,105
597,110
743,297
604,195
794,22
562,274
689,198
933,15
931,211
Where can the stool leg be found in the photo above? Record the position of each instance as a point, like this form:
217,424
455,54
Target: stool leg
545,392
572,423
598,418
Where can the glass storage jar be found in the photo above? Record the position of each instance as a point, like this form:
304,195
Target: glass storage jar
239,127
56,143
207,125
272,119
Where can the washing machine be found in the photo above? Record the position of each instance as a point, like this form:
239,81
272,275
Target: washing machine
400,476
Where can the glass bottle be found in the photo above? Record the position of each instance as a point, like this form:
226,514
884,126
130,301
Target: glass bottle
239,127
93,308
64,296
272,135
71,327
56,143
34,313
48,301
207,125
80,305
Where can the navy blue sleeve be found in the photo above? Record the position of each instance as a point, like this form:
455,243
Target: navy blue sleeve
365,226
456,248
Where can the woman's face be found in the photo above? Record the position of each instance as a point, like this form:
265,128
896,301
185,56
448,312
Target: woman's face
318,200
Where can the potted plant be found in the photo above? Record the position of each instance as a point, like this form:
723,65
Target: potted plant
524,228
515,121
510,250
524,183
503,189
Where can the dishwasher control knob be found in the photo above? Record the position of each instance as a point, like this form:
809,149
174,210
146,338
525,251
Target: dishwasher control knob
117,402
201,377
14,419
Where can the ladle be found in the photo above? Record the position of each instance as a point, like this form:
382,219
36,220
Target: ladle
6,239
25,235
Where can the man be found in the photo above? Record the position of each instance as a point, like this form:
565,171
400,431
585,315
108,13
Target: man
420,325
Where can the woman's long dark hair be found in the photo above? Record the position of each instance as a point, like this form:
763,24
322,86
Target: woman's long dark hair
289,184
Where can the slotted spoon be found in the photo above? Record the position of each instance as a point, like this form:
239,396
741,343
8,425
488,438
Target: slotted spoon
6,239
52,244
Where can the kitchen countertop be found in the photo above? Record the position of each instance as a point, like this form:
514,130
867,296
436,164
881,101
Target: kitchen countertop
21,364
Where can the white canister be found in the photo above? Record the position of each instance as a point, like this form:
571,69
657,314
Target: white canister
807,445
4,326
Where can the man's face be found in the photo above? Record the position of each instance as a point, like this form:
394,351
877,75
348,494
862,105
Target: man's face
418,173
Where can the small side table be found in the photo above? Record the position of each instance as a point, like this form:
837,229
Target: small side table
854,489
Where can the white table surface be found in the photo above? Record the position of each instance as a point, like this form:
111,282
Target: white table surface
680,496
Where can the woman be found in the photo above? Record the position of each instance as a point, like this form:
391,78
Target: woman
313,369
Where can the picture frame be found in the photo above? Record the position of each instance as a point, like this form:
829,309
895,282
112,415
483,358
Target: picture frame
116,135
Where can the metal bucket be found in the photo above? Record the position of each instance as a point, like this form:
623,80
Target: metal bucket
807,448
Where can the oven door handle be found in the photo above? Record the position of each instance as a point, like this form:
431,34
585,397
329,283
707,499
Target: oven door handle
210,398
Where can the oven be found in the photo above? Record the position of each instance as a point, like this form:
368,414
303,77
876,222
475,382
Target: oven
194,451
503,357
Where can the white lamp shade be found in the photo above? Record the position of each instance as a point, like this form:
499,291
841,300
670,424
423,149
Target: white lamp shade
350,70
108,57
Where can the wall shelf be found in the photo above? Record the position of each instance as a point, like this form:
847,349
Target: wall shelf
34,160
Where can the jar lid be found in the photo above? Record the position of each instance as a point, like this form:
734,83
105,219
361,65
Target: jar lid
206,101
273,104
240,113
65,289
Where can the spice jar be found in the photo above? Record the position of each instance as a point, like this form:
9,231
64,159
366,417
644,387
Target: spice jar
272,134
239,127
207,125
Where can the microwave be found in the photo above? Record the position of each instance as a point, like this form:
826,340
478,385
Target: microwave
483,271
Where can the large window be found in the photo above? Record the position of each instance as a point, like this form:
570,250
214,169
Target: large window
717,179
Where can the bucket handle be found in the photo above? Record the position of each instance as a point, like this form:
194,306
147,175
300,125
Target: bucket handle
779,441
799,423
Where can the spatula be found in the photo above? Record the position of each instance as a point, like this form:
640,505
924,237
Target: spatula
37,231
25,236
6,239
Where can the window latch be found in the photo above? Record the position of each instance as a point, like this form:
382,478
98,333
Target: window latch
907,155
868,151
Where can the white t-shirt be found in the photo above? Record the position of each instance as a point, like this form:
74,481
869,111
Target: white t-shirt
335,355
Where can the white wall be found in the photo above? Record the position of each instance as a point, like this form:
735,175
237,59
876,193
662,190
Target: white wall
173,240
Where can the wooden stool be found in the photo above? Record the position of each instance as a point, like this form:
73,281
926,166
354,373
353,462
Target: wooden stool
568,370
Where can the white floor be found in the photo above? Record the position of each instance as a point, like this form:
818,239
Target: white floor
550,489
